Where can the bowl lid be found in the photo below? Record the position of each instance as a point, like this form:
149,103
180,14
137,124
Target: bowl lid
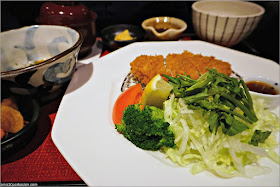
64,13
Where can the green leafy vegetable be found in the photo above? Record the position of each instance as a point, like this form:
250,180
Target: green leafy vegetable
235,126
259,137
220,95
146,128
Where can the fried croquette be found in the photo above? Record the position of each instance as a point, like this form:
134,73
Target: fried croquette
146,67
11,119
9,102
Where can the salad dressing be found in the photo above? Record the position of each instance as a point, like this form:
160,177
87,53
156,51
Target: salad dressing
261,87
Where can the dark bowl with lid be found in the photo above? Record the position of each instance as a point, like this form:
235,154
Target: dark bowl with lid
74,15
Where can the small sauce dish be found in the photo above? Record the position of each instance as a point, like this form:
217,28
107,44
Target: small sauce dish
264,88
164,28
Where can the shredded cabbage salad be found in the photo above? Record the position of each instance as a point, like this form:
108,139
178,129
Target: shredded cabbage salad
223,155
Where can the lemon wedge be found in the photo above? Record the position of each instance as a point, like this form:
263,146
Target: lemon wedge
156,92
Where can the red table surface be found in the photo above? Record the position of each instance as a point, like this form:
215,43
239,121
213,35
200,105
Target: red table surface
44,164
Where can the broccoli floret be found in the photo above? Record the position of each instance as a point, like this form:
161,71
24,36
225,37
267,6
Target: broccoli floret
146,128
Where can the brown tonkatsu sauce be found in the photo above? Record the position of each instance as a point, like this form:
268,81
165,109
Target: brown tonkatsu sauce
261,87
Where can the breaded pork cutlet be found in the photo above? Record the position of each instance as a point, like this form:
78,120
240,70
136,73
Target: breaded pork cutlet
182,64
203,62
145,67
195,64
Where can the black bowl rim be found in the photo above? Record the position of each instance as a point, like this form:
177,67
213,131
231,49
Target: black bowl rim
31,124
134,27
48,61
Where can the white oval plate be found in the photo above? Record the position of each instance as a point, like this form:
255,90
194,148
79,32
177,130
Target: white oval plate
84,132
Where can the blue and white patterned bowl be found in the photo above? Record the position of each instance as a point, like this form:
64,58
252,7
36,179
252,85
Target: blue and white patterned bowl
55,48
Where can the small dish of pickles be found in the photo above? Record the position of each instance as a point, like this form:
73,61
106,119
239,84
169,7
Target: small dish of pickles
19,115
117,36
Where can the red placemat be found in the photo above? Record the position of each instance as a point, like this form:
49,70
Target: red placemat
44,164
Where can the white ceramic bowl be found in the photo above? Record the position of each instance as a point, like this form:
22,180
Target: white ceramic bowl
270,101
225,22
164,28
56,47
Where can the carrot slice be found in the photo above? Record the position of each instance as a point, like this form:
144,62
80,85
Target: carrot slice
131,96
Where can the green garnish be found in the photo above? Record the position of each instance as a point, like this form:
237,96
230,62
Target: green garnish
259,137
220,96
